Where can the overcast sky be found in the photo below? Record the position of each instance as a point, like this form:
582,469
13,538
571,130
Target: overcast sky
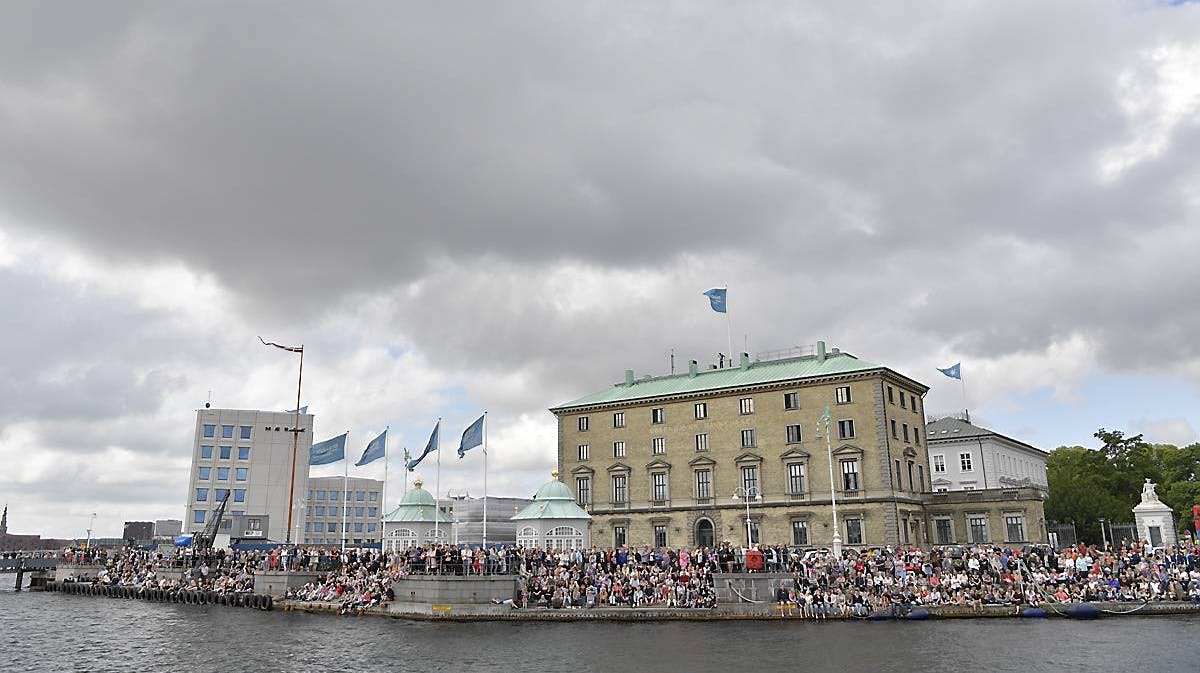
502,206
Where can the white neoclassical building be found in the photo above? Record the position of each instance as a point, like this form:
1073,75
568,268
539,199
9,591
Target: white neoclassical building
415,522
553,520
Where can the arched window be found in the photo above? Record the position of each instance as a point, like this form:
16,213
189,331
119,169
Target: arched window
401,539
527,537
435,535
704,533
564,537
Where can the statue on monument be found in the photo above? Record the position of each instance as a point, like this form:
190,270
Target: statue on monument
1148,494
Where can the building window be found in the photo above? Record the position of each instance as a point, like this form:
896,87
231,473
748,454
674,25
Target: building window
320,495
618,536
702,441
245,429
748,438
791,401
202,495
585,451
210,430
978,528
658,415
371,527
1016,528
618,449
921,476
750,479
939,463
796,478
964,460
943,531
703,484
242,473
220,494
199,516
754,537
891,396
842,394
358,527
701,410
794,435
333,511
222,474
917,436
373,496
372,512
914,404
746,405
243,453
227,432
358,511
226,452
658,446
905,428
583,487
620,492
659,484
206,452
903,401
846,429
910,475
205,473
660,535
239,495
618,419
360,496
850,474
583,423
941,489
800,533
854,531
895,435
896,476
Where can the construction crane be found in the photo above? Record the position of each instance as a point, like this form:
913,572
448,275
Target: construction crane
204,541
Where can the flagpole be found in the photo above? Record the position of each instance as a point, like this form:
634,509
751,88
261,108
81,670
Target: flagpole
728,325
383,509
962,385
485,491
404,490
345,490
437,497
837,533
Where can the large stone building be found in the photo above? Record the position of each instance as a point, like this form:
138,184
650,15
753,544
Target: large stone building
657,460
338,510
966,457
248,455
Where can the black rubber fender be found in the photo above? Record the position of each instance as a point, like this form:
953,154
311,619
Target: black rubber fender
268,603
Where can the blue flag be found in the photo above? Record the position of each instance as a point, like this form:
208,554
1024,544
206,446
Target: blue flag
328,451
430,447
407,459
954,372
302,410
716,298
472,437
375,450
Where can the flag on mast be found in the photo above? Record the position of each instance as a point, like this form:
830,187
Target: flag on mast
374,450
290,349
328,451
954,371
471,437
430,447
717,299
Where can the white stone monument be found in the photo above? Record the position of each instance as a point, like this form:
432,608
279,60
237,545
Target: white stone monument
1155,521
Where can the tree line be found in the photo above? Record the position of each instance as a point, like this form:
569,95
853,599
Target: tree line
1087,485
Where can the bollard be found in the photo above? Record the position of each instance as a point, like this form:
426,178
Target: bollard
20,573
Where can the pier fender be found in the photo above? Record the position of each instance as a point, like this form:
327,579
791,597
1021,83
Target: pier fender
268,603
1033,613
1082,611
879,616
255,601
918,614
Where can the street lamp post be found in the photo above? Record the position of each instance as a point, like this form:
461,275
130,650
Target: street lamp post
91,524
837,534
748,493
1103,537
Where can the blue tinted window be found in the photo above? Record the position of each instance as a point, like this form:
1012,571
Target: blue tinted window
225,452
320,510
360,495
239,495
222,473
374,496
245,432
320,495
372,511
221,493
206,452
238,512
330,540
358,511
358,527
333,495
242,472
202,495
210,430
227,431
205,472
199,516
319,527
370,528
306,526
243,453
333,511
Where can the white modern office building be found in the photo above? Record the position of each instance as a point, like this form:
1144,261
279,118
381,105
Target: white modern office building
337,508
248,454
966,457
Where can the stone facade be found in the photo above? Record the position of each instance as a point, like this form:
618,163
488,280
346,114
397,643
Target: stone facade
655,464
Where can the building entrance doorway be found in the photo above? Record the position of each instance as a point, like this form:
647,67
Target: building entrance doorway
704,533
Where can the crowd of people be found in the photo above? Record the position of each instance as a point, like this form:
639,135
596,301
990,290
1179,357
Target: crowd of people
815,583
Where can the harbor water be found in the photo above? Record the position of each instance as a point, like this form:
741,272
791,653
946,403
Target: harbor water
57,632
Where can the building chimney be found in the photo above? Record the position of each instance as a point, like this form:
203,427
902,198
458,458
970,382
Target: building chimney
628,378
745,361
693,367
820,351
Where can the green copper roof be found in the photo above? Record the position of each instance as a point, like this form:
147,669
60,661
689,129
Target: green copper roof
552,501
754,373
418,506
